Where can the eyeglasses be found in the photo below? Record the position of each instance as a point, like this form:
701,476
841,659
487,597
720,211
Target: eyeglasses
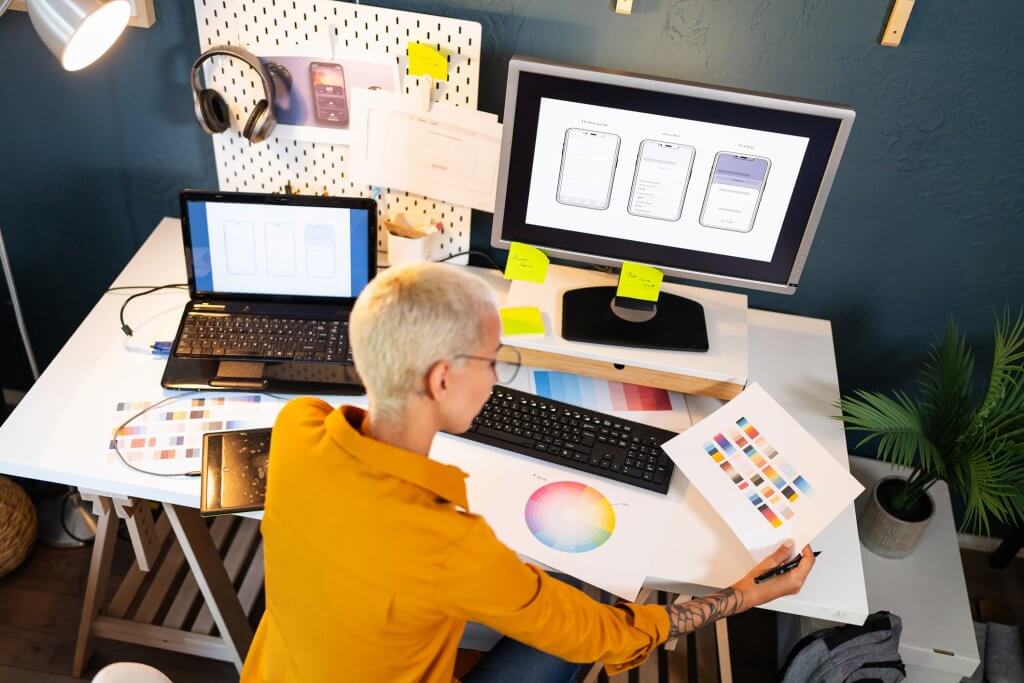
506,369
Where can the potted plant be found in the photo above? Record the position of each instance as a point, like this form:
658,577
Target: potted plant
971,438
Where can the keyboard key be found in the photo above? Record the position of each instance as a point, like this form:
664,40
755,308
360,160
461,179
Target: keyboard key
631,472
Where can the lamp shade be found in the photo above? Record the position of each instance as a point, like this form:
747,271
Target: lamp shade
78,32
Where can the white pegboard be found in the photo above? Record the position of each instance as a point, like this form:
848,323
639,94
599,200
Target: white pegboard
312,167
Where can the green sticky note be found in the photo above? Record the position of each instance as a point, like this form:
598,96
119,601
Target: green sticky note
637,281
521,320
526,263
424,60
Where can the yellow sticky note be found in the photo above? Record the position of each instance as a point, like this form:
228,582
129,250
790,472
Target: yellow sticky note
526,263
521,320
424,60
637,281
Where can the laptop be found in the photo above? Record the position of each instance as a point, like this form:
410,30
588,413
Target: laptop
272,280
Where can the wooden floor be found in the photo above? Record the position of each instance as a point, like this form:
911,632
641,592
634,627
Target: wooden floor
41,600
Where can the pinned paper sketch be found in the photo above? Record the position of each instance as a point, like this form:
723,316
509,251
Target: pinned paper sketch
763,473
597,530
446,153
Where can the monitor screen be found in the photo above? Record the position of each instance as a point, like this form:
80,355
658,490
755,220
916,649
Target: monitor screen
268,248
703,182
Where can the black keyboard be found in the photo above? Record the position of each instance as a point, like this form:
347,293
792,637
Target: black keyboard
263,337
584,440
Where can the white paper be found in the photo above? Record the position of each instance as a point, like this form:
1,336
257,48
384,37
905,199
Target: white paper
786,475
448,153
646,405
500,488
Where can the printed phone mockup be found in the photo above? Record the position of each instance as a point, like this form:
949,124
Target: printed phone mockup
330,104
660,180
588,168
734,192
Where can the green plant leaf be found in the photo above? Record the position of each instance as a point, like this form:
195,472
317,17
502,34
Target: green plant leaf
897,424
946,406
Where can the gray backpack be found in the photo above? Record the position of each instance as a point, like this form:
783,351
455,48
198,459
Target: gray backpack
867,653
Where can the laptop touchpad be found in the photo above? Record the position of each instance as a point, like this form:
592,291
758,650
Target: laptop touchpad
240,369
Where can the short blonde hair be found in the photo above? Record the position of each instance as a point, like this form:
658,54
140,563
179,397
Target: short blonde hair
407,319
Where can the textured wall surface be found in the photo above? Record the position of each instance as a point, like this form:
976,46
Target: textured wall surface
924,221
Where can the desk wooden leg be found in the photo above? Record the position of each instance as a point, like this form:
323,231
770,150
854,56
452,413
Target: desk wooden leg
96,587
208,569
724,656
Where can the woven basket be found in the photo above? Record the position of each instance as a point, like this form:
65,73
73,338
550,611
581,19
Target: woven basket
17,525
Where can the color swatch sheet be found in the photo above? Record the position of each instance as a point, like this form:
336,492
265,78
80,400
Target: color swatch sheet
647,405
599,531
164,438
763,473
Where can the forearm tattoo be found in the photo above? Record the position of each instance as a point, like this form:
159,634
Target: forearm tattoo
689,616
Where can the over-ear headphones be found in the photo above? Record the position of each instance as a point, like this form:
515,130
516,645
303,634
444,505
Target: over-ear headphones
211,109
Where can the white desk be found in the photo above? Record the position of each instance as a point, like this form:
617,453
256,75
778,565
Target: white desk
61,429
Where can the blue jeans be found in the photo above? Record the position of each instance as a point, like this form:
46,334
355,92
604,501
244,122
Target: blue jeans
509,661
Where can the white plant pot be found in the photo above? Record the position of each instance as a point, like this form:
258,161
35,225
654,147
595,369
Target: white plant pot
885,534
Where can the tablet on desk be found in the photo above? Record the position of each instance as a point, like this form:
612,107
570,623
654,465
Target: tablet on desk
234,471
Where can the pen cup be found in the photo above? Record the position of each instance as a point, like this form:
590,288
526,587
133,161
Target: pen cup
411,249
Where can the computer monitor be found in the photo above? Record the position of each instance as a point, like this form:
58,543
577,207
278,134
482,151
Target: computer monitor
703,182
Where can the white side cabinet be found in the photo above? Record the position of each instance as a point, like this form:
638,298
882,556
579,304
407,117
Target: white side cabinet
926,589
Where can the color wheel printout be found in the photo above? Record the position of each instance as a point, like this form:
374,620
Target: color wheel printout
599,531
763,473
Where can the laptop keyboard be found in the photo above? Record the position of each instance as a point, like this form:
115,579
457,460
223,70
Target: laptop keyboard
584,440
264,337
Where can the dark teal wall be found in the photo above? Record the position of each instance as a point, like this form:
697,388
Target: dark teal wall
925,219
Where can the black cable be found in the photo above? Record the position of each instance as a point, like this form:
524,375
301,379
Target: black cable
64,513
156,288
472,252
181,285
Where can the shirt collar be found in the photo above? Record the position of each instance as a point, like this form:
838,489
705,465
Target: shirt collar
345,425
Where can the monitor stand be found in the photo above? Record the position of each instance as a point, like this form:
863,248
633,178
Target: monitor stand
595,314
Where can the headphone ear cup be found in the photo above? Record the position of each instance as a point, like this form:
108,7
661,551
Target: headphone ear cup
261,122
216,117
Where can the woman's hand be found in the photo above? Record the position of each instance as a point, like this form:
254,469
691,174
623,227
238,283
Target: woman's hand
784,584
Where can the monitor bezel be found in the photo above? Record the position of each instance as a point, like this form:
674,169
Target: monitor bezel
360,203
844,115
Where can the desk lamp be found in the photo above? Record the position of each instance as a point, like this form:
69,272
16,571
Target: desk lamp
77,32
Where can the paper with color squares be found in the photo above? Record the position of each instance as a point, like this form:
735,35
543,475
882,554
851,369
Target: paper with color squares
526,263
169,439
763,473
602,532
520,320
637,281
424,60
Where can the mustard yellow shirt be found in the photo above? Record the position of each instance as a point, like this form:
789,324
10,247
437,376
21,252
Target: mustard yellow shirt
374,564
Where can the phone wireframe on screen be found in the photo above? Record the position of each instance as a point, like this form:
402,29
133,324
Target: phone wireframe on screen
660,180
588,168
734,193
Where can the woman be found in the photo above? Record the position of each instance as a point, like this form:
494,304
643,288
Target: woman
374,563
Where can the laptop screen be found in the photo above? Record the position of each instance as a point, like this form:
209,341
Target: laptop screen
278,249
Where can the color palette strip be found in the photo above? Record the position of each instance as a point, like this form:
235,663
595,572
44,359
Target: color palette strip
754,466
598,394
570,516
